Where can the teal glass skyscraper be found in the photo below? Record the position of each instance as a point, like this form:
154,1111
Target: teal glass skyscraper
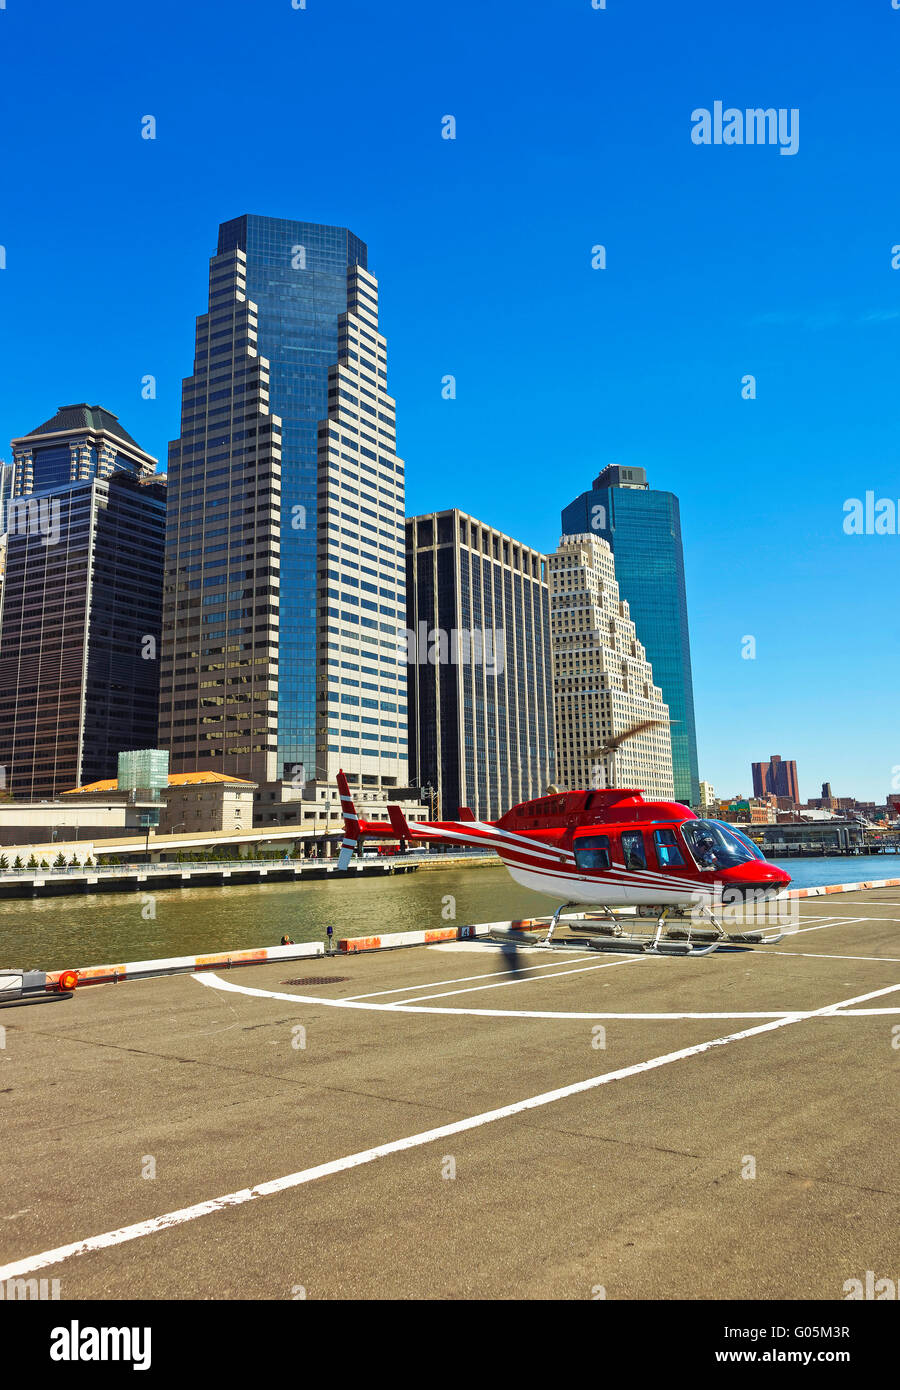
643,528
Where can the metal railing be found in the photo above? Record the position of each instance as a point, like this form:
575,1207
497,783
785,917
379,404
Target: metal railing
215,865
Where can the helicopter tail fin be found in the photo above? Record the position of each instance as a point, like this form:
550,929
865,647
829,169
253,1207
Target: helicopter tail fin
352,828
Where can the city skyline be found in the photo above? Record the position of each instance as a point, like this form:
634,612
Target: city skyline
654,347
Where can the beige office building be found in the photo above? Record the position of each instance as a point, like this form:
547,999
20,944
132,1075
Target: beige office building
603,682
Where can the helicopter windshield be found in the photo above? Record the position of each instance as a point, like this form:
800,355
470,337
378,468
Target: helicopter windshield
744,839
715,845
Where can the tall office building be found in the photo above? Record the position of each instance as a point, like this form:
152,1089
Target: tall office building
602,679
80,442
219,655
7,476
776,778
480,680
643,528
79,630
287,498
7,479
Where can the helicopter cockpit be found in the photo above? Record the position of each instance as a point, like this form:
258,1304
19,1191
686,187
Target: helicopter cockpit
716,845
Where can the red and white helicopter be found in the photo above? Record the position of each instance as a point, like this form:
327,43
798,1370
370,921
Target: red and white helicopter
608,847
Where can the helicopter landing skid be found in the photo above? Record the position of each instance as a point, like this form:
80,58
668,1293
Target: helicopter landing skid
613,935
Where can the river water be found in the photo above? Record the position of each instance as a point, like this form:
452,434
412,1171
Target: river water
108,928
56,933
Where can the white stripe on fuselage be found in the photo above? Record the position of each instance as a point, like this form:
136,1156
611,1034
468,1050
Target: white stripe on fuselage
498,840
604,892
506,843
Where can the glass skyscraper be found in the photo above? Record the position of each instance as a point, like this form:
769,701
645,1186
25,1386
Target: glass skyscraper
643,528
296,275
286,426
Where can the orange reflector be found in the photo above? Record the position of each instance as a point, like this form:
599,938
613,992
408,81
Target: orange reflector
68,979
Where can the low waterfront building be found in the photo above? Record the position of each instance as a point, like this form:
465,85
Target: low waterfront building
46,823
749,811
480,673
316,806
812,838
191,801
603,681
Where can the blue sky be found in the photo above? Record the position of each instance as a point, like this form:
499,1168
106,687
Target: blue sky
573,129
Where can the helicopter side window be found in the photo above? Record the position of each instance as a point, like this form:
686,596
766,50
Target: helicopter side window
593,852
668,855
633,851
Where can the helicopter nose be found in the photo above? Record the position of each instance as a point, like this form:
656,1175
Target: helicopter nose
757,877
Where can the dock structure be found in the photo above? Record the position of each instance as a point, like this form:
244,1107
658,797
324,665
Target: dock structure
458,1120
134,878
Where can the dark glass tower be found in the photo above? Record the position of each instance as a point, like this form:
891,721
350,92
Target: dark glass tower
81,610
481,704
643,528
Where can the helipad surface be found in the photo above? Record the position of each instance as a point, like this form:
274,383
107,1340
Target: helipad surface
451,1122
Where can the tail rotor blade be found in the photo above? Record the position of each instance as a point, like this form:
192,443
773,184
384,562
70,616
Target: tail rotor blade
346,854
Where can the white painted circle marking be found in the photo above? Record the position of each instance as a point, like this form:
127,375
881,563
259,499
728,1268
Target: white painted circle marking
215,982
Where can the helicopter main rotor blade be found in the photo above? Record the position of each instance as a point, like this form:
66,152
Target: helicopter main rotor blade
612,744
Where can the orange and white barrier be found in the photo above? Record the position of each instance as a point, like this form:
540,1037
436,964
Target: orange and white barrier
186,965
824,888
350,945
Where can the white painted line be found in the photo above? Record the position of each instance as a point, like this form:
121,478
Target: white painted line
864,1013
825,917
213,981
832,921
18,1268
473,989
461,980
825,955
840,922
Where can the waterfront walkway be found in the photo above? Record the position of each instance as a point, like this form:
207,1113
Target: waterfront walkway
133,878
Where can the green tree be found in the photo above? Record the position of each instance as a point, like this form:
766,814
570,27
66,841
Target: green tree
17,862
32,863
